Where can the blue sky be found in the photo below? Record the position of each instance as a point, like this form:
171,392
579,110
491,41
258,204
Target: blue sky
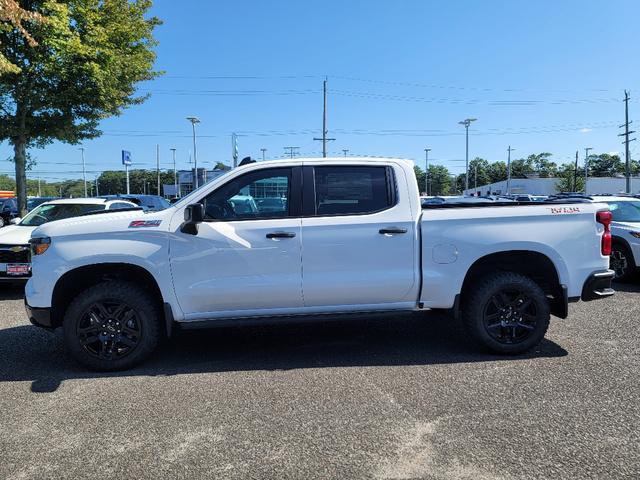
538,75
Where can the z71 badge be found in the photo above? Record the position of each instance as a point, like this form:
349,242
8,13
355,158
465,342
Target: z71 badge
145,223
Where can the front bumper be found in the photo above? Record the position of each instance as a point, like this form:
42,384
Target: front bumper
598,285
40,317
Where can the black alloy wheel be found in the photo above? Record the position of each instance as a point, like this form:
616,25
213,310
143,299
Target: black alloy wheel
510,316
109,330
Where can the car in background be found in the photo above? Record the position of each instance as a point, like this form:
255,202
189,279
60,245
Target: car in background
15,255
35,201
8,210
153,203
625,231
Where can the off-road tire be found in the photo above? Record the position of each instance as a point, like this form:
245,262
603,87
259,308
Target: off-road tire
142,318
480,307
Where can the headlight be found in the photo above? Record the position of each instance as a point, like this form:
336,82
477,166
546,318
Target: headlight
39,245
635,234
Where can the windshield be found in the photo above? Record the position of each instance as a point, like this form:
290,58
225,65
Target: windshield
51,212
625,211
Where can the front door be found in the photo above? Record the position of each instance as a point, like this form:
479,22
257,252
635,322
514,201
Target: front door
246,258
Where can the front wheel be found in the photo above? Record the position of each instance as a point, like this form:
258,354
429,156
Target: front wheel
111,326
506,313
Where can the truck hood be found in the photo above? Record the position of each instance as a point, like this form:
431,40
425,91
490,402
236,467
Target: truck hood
15,235
109,222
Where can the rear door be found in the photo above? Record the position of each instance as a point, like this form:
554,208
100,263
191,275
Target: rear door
359,239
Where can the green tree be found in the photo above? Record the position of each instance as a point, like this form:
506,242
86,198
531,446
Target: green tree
12,18
568,180
479,166
439,180
90,54
605,165
497,172
542,165
521,167
421,178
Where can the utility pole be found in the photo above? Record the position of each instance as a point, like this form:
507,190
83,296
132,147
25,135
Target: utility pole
263,150
324,138
509,150
193,121
175,173
466,122
345,151
575,174
234,149
84,176
426,170
293,151
97,193
626,134
158,165
586,167
39,189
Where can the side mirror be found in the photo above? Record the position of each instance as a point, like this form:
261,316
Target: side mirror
15,221
193,215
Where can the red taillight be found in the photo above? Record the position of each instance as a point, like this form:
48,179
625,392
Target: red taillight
605,219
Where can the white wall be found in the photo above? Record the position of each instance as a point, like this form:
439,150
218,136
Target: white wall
547,186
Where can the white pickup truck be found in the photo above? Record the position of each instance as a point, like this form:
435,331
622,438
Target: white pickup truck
277,240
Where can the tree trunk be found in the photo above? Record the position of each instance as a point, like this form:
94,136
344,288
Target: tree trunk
20,158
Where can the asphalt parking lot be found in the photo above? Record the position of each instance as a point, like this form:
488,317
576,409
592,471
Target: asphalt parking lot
385,398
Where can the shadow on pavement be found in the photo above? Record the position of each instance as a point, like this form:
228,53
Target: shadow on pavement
12,290
31,354
631,287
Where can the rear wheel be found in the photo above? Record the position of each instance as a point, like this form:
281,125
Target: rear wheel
506,313
111,326
621,262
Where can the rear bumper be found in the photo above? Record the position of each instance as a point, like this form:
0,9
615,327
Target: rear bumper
40,317
598,285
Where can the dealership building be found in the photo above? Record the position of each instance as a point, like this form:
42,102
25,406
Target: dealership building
549,186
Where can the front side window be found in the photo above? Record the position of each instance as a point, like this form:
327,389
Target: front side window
352,190
625,211
256,195
48,213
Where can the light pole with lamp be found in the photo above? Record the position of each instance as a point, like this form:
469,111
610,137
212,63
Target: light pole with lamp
193,121
466,122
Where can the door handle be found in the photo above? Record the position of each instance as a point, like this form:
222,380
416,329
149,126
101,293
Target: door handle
281,235
392,230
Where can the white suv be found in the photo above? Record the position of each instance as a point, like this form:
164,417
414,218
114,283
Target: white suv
15,258
625,229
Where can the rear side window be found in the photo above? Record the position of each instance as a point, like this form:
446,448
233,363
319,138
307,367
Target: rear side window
120,206
352,190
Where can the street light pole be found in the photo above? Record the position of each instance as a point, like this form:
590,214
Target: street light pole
175,173
466,122
586,167
84,176
193,121
426,170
